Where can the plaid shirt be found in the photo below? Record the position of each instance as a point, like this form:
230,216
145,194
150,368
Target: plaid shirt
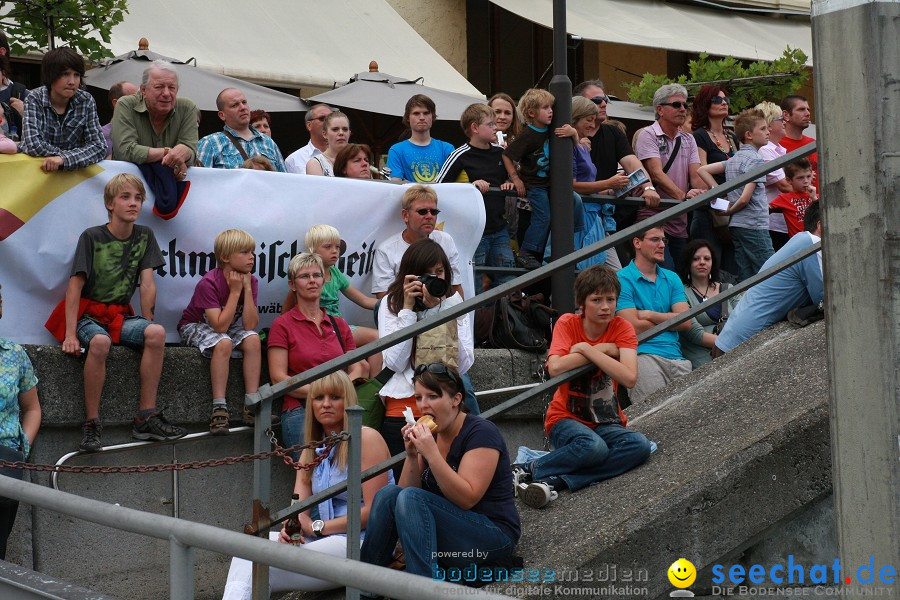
755,214
218,152
16,376
74,136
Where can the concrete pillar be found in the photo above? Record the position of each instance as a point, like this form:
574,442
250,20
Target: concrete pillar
857,71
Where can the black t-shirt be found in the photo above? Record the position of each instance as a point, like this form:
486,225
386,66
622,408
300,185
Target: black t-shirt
532,151
608,146
713,153
468,164
497,504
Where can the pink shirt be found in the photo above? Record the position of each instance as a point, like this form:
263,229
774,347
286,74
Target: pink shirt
307,348
653,143
7,146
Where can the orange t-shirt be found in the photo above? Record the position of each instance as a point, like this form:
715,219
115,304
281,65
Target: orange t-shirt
590,400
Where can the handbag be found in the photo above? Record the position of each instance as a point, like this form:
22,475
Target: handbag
517,322
367,390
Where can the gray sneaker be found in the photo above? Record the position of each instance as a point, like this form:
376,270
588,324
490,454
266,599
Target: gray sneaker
520,478
157,428
538,494
90,436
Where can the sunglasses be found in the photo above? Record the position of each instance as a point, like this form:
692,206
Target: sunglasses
425,211
720,100
439,369
600,99
676,105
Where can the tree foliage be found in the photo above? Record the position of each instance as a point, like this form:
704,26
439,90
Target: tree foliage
789,73
42,24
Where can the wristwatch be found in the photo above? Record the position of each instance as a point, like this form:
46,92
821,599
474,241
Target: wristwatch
649,188
317,526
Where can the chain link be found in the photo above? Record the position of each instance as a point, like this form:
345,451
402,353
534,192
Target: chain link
329,442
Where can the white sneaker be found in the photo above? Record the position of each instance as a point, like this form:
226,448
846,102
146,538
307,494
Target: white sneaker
520,478
537,494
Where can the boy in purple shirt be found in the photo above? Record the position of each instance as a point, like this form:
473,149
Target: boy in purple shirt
222,316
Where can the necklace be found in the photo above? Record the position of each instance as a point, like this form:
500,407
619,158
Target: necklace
705,293
729,148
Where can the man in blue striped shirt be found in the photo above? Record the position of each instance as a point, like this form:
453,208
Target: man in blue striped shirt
238,141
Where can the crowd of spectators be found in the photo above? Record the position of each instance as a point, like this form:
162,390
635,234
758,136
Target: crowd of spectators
461,470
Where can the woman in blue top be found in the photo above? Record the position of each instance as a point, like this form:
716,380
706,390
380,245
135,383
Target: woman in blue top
454,505
20,418
328,397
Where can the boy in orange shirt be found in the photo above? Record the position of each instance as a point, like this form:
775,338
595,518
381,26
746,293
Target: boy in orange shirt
584,421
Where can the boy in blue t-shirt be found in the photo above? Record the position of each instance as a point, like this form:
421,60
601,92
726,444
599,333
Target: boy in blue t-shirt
420,157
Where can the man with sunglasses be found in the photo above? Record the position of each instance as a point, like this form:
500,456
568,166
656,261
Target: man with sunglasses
670,157
609,149
419,211
315,125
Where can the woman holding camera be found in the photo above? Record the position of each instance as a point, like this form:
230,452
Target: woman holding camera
420,289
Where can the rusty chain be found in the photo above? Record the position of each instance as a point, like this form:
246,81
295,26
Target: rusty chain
329,442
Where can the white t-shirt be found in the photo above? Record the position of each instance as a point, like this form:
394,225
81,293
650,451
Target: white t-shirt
386,263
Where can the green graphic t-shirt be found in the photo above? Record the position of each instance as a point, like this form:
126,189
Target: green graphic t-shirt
113,266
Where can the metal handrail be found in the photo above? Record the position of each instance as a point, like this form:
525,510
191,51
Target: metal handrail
271,392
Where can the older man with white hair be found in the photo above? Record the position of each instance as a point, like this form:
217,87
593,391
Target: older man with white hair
155,125
670,157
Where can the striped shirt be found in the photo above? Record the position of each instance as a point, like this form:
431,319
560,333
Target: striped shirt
219,152
74,136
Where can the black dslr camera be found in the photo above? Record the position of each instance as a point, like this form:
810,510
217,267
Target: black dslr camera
436,286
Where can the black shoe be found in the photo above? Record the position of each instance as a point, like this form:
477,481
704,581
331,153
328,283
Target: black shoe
156,427
527,261
90,436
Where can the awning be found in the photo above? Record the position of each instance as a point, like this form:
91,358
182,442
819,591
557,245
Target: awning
288,43
670,26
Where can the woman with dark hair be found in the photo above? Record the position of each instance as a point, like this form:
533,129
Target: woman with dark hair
353,161
454,504
261,121
329,398
420,289
714,144
699,270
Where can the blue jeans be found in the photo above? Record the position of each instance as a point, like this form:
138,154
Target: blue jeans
292,428
539,229
752,247
583,456
494,251
469,397
430,528
674,248
132,335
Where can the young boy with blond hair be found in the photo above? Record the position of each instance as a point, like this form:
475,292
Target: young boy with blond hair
527,162
748,206
221,318
111,261
480,162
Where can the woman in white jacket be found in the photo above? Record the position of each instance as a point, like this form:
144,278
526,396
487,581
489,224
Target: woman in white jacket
419,290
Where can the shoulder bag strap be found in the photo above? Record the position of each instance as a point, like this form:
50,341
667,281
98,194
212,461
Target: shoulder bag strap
237,143
673,155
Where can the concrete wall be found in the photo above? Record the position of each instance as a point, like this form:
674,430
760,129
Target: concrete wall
134,567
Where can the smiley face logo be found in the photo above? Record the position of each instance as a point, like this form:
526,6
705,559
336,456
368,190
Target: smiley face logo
682,573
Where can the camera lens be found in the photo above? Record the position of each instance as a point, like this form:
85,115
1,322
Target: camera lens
436,286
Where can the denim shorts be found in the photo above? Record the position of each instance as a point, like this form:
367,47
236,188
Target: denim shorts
132,331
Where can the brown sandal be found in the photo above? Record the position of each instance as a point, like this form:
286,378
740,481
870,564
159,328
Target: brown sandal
218,421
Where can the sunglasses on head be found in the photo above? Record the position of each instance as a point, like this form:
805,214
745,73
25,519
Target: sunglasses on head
600,99
676,105
424,211
439,369
721,99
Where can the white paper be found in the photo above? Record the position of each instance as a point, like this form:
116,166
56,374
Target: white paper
408,415
719,204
